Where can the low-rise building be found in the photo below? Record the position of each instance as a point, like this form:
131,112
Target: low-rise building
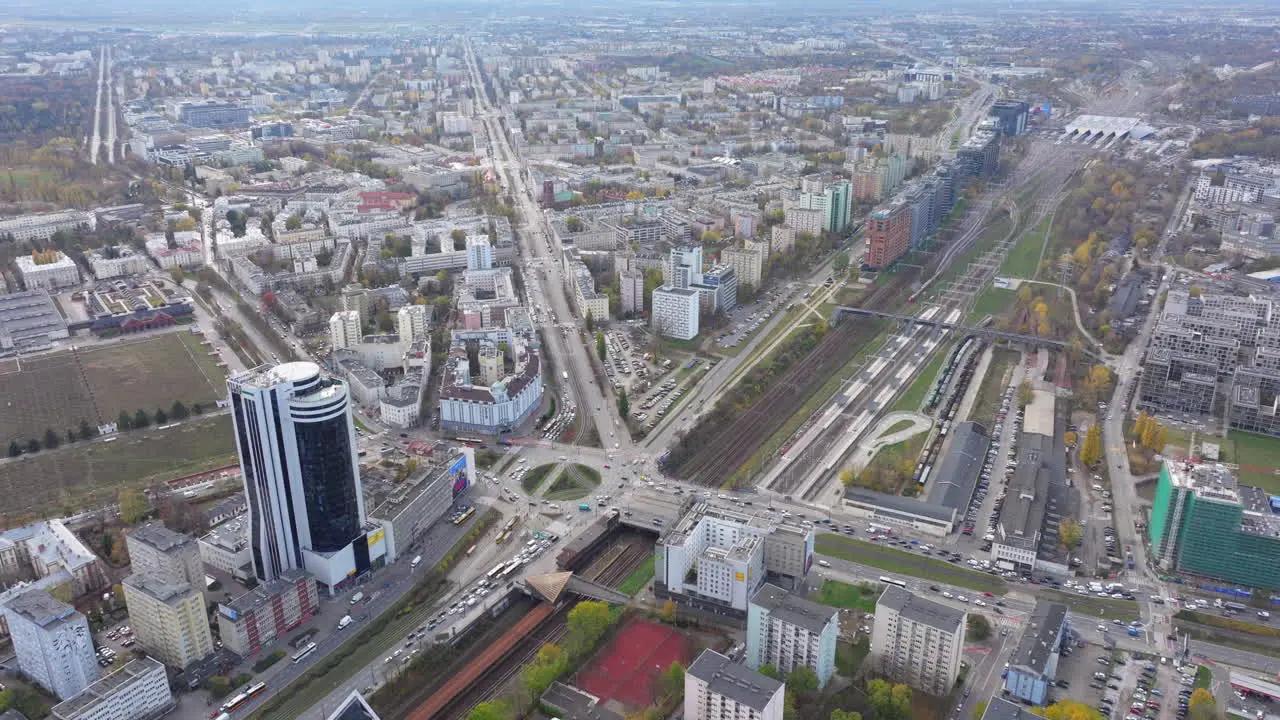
413,506
1033,668
48,269
113,261
185,251
137,691
26,228
30,319
787,631
226,548
269,611
716,688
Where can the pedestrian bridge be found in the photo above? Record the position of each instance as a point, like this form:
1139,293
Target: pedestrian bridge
552,586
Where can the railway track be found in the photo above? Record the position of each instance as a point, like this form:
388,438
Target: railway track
715,461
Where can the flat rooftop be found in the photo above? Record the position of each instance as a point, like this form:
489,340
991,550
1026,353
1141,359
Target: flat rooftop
41,608
736,682
922,610
103,690
158,587
1038,417
1039,639
794,609
28,314
679,532
160,537
263,594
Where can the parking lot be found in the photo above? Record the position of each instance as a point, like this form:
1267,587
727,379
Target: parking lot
662,397
747,319
623,366
1122,685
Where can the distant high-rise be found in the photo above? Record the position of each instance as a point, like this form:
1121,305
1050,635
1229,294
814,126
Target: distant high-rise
296,441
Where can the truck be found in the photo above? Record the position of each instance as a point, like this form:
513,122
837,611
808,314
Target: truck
345,621
357,598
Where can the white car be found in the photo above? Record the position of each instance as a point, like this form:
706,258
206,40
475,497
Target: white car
947,595
979,603
962,598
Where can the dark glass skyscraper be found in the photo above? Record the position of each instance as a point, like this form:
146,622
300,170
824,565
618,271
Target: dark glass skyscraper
296,441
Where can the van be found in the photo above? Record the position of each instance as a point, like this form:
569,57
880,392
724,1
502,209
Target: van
357,598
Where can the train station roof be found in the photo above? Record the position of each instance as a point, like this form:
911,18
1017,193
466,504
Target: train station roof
551,585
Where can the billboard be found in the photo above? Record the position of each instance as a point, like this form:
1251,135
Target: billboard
459,473
376,536
229,613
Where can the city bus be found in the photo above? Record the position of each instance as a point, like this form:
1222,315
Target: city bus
310,648
239,701
892,581
497,570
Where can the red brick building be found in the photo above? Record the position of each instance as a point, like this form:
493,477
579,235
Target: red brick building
888,234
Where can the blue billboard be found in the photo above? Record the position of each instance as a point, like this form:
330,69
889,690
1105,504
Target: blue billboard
459,473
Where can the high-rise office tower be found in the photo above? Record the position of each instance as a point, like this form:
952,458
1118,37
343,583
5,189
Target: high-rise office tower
297,448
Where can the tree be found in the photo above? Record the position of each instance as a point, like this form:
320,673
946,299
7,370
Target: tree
979,710
673,680
490,710
1069,533
14,448
1025,393
133,505
890,702
141,419
86,430
124,421
790,708
51,439
33,445
176,274
1202,705
978,627
669,611
590,320
840,263
179,410
161,416
770,671
1070,710
293,222
602,349
1140,425
587,621
548,665
1091,450
839,714
803,680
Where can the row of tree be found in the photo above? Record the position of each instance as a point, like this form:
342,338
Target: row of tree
1149,433
87,431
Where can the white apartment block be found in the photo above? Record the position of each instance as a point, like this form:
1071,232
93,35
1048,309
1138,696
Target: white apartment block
26,228
52,642
716,688
804,220
126,262
1215,188
168,619
675,312
137,691
186,251
783,239
917,641
411,322
345,330
53,270
479,253
787,631
226,548
157,550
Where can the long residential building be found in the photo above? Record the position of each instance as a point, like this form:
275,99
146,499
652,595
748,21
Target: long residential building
716,688
267,612
26,228
137,691
917,641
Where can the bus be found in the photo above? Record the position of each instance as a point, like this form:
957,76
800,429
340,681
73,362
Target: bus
892,581
465,516
310,648
470,441
497,569
239,701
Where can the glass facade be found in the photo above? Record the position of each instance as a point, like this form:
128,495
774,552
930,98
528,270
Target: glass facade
328,482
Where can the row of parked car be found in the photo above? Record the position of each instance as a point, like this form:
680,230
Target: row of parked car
989,469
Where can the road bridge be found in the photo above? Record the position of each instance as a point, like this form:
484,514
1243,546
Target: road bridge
967,329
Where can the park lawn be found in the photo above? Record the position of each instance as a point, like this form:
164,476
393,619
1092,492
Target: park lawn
90,474
843,595
1105,608
913,398
533,479
639,577
849,655
905,563
1204,678
1258,456
900,425
1024,257
207,363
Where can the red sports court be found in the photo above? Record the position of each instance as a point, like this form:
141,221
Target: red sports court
627,668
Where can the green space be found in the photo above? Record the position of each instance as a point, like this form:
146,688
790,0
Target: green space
1105,608
891,468
1024,257
1258,456
1204,678
90,474
896,427
996,229
576,482
992,301
918,390
638,578
906,563
1226,623
376,638
843,595
535,477
994,383
849,655
216,374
